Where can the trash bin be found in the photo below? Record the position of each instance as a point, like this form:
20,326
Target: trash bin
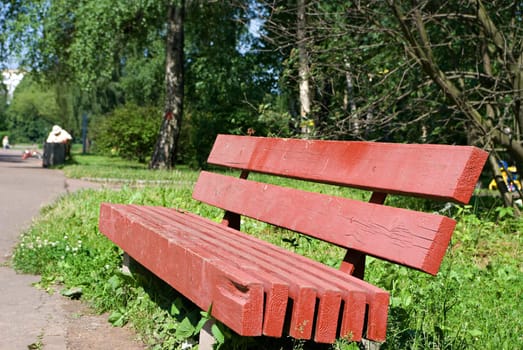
54,154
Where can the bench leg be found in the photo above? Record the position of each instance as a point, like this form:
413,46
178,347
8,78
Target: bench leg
126,264
370,345
206,338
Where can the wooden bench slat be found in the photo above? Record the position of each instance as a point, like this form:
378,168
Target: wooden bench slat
215,237
236,296
376,298
286,267
277,289
415,239
433,171
353,310
306,296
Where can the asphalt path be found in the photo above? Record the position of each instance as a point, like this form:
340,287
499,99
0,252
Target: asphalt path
27,315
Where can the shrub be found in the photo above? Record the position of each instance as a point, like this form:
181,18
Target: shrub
129,132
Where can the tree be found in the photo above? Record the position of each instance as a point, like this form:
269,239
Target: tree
425,71
164,155
487,84
111,52
303,65
87,44
328,55
32,111
229,76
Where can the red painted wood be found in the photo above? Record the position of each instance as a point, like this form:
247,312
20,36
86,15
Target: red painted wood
193,270
375,299
297,265
173,221
434,171
409,238
277,290
252,284
308,281
237,254
354,261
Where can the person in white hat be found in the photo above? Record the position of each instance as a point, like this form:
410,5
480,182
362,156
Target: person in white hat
58,135
5,142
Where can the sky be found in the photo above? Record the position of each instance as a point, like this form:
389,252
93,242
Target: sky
11,80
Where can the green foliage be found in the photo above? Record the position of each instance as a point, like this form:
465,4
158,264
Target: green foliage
222,84
274,121
129,132
32,112
143,75
112,52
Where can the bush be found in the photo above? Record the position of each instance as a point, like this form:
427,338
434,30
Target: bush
129,132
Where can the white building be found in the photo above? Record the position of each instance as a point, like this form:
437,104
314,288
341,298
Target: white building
11,78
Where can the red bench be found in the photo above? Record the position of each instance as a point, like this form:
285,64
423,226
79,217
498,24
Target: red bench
256,288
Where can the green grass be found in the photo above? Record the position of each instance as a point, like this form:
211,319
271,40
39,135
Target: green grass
475,302
104,169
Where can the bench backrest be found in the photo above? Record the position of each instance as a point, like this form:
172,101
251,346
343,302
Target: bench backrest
406,237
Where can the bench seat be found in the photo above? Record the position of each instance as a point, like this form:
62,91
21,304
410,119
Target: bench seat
229,266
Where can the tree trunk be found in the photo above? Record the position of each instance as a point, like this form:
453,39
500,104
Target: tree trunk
349,104
164,155
305,102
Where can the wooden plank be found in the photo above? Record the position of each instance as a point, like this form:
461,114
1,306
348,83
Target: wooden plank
161,225
197,273
354,298
307,284
415,239
232,244
276,288
376,299
296,265
433,171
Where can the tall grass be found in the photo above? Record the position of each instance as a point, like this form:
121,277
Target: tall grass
475,302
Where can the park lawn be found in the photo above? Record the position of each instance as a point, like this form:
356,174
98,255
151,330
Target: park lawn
475,302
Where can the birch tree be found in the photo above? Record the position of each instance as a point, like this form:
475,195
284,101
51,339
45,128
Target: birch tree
164,155
303,66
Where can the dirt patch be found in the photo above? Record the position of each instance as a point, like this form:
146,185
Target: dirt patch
88,330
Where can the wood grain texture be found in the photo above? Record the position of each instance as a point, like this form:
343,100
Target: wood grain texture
189,267
316,290
406,237
433,171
